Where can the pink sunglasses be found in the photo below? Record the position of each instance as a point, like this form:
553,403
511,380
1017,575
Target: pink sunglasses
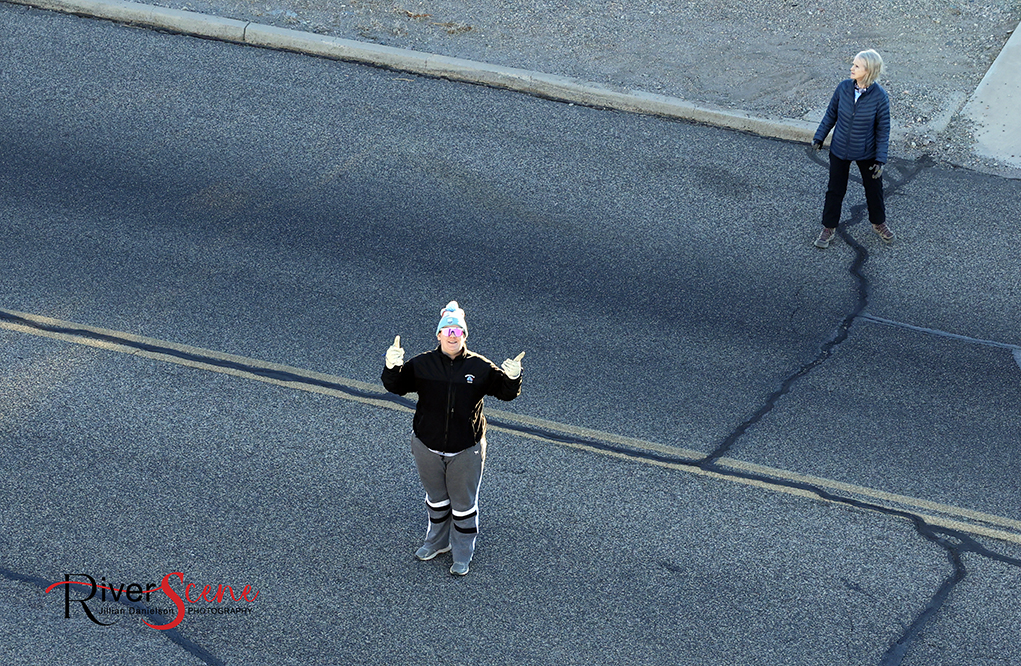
452,331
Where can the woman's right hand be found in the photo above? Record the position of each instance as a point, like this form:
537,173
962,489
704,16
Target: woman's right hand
395,354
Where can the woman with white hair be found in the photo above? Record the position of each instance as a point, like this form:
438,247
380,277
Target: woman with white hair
859,115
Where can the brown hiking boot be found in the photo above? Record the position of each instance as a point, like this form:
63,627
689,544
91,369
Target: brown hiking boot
884,232
823,241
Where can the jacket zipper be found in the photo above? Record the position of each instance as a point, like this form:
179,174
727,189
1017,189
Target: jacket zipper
850,125
450,403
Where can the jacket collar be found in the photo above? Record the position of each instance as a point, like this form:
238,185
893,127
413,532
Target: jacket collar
460,355
864,91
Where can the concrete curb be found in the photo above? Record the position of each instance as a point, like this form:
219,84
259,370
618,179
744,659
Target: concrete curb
549,86
560,88
190,23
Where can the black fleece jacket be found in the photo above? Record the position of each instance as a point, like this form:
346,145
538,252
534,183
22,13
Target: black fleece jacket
449,415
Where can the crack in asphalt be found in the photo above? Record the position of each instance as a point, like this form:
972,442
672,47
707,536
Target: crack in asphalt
954,542
896,652
861,256
943,334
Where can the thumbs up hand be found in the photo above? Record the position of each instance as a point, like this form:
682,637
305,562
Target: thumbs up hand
512,366
395,354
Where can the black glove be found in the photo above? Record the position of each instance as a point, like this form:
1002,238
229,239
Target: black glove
817,144
877,170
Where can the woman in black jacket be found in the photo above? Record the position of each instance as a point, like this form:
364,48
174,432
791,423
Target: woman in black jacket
449,440
859,115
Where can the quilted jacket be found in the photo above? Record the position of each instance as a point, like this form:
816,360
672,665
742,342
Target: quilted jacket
861,130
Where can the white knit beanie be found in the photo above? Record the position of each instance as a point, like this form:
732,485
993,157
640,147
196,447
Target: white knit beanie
452,315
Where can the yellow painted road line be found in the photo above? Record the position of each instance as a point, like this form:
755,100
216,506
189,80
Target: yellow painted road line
978,523
943,515
191,357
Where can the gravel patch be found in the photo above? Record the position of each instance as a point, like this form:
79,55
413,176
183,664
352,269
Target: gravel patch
772,59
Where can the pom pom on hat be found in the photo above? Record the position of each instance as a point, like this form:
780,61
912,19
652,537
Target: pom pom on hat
452,315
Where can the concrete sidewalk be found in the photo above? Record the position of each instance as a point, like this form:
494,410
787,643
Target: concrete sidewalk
996,107
987,139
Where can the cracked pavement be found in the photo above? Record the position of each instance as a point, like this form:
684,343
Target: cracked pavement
731,447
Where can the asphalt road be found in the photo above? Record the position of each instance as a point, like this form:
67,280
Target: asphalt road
799,420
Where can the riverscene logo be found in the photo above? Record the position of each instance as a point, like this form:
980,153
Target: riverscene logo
134,592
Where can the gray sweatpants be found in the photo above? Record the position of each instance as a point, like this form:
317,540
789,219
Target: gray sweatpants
451,496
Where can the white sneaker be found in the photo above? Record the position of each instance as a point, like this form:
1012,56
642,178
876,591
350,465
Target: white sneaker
426,553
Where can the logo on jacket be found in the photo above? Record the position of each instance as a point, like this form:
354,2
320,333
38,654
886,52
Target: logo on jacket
469,378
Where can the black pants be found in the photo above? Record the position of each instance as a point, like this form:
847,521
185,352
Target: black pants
837,188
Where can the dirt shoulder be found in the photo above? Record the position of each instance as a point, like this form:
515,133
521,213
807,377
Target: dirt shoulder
774,59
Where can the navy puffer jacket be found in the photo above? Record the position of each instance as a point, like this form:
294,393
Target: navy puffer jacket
862,128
